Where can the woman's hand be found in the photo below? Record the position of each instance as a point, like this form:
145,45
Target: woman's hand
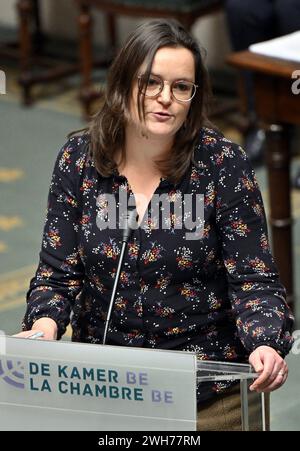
272,368
45,325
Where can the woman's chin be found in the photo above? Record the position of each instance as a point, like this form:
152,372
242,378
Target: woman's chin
160,131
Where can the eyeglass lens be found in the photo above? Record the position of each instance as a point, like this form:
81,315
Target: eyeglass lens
181,89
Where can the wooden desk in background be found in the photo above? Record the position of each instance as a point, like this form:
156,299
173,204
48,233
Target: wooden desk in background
278,108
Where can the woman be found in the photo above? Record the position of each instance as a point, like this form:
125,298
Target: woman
214,291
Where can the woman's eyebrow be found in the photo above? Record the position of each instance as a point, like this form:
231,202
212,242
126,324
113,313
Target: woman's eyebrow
177,78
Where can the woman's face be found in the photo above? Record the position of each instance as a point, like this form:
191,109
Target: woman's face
169,64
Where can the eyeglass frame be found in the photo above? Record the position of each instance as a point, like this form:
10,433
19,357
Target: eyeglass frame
171,87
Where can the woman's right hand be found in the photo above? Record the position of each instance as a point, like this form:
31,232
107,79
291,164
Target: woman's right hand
45,325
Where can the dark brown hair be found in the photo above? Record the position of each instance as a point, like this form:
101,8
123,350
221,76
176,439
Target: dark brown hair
107,129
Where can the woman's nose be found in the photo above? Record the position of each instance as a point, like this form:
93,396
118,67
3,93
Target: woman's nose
165,95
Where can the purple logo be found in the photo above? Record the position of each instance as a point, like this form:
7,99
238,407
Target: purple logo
12,373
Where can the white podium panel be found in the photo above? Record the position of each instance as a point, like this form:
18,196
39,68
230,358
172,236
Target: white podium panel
73,386
49,385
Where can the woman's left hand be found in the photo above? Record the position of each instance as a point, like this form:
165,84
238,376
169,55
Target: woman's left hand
272,368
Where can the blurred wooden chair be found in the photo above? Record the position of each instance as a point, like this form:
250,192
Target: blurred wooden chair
35,66
39,62
186,11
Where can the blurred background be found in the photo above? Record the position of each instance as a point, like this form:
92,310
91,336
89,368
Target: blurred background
52,86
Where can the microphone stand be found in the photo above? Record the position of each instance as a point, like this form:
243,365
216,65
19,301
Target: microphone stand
131,220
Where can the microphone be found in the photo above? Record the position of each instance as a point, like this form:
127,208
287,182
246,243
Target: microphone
130,224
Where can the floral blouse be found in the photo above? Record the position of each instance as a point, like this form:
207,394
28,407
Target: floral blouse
219,295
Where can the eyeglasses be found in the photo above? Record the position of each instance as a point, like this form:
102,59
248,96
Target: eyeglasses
182,90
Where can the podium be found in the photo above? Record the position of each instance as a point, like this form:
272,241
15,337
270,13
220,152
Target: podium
46,385
253,408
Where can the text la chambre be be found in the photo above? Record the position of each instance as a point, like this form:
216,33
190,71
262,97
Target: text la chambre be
95,382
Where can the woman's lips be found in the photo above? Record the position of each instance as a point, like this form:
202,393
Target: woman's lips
162,117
